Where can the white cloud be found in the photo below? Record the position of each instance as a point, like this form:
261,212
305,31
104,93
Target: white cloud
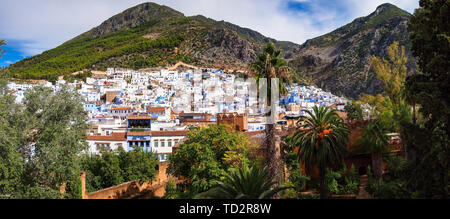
45,24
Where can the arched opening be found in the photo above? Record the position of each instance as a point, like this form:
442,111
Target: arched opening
362,170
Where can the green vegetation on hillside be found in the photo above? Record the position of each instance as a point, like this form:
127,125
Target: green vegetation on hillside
147,35
391,12
358,25
87,52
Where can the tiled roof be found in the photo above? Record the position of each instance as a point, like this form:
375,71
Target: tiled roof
122,108
141,117
196,120
119,136
159,133
147,133
183,114
156,109
169,133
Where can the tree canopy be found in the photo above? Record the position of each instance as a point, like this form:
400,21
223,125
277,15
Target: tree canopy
428,141
2,43
40,142
322,141
110,168
208,155
244,183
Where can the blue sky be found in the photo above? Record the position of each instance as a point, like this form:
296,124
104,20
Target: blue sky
31,27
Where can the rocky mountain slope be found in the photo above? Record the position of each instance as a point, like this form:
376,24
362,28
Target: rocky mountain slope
339,61
151,35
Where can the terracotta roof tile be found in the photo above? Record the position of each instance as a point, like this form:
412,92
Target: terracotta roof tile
169,133
156,109
119,136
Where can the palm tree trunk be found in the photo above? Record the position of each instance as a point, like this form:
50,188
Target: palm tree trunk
377,163
323,191
272,160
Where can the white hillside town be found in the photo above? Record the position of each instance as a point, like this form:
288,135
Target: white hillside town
154,110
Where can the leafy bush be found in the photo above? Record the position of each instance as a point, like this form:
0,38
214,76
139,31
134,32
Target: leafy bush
331,182
208,155
111,168
349,182
172,191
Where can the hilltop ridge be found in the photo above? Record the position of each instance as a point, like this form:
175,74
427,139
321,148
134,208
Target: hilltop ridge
339,61
151,35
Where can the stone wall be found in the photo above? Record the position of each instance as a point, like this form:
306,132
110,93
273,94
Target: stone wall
130,189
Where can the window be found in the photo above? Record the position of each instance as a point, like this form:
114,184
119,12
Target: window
101,145
169,143
156,143
163,143
176,141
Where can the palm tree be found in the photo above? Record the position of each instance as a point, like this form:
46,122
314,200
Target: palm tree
244,183
322,141
269,64
2,42
375,141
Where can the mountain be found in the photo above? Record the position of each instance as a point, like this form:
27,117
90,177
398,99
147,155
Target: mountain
339,61
149,35
152,35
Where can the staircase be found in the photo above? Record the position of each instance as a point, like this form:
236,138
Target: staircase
363,194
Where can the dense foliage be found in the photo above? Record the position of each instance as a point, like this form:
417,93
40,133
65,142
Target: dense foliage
392,72
322,141
81,76
428,140
111,168
354,112
296,178
425,172
208,155
244,183
2,42
40,142
375,141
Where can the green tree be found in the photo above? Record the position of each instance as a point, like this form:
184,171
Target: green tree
111,168
269,64
138,164
392,72
2,43
207,155
296,178
427,141
322,141
48,132
244,183
354,112
54,132
11,160
375,141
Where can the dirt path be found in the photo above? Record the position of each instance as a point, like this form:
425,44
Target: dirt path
363,194
181,63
